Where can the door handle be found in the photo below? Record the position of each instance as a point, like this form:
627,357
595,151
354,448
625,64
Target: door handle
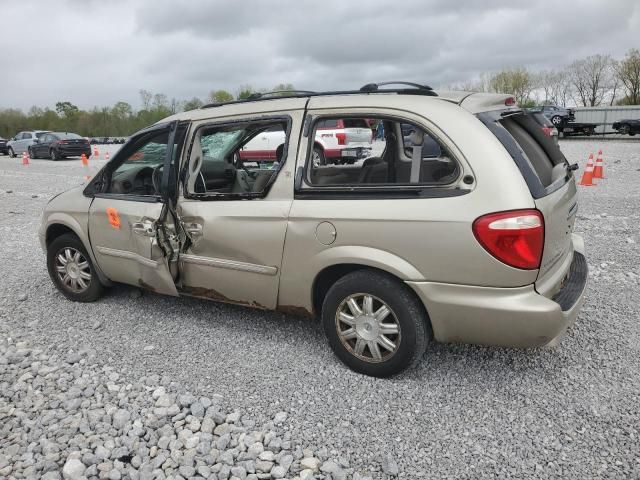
193,229
146,229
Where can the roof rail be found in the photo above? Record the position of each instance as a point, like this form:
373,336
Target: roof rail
370,88
375,87
279,93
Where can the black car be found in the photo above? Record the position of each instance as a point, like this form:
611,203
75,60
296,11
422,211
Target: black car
57,145
627,127
4,150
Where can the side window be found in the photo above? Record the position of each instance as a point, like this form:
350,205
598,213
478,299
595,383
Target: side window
378,152
138,169
45,138
26,136
236,159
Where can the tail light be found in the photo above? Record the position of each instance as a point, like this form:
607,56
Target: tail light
509,102
515,238
59,142
342,138
548,131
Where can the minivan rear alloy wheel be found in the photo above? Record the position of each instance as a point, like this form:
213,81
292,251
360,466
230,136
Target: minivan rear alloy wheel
374,323
71,269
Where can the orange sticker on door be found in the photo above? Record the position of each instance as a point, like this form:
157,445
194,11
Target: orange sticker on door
114,218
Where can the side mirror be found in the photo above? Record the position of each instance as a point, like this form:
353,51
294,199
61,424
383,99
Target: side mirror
36,140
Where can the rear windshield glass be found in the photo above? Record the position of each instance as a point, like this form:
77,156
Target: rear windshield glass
531,147
69,136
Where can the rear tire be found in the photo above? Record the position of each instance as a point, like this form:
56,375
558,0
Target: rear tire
74,276
556,120
53,155
367,338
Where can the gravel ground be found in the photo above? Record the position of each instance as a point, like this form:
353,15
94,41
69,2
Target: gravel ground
464,412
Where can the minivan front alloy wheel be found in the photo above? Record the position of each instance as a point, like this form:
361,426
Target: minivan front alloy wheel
71,269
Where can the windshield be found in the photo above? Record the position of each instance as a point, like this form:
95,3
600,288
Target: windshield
218,145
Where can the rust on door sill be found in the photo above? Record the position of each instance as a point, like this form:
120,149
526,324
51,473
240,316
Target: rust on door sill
294,310
211,294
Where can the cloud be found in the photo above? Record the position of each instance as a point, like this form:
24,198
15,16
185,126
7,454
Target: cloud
96,53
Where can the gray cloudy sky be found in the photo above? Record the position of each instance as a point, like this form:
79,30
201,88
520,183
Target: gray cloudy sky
93,52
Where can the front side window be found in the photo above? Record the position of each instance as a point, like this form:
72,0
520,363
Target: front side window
138,168
378,152
237,159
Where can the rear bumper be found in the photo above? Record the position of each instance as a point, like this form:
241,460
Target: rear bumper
510,317
74,151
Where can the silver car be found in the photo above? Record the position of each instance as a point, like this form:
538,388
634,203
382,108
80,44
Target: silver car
468,240
22,141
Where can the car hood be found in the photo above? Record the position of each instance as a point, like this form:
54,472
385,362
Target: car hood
69,200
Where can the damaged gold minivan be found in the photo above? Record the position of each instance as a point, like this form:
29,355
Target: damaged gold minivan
455,227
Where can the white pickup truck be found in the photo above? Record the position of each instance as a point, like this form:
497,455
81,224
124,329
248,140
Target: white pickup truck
338,141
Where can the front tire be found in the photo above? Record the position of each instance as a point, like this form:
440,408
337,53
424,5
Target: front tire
31,153
374,323
72,271
318,157
12,154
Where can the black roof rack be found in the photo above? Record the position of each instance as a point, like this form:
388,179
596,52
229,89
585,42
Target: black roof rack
369,88
279,94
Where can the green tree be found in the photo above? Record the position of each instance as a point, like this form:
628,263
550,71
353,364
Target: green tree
518,82
192,104
245,92
628,71
220,96
66,109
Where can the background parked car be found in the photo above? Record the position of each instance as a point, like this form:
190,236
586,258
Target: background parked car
22,141
338,141
3,146
57,145
627,127
559,116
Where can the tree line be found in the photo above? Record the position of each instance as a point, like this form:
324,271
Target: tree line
120,120
591,81
588,82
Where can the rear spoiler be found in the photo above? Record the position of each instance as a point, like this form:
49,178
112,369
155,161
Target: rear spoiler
485,102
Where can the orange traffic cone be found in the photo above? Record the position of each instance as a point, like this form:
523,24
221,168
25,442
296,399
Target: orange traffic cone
106,156
598,171
25,158
83,159
96,152
587,176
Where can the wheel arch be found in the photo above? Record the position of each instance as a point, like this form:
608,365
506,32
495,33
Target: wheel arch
59,224
336,262
331,274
